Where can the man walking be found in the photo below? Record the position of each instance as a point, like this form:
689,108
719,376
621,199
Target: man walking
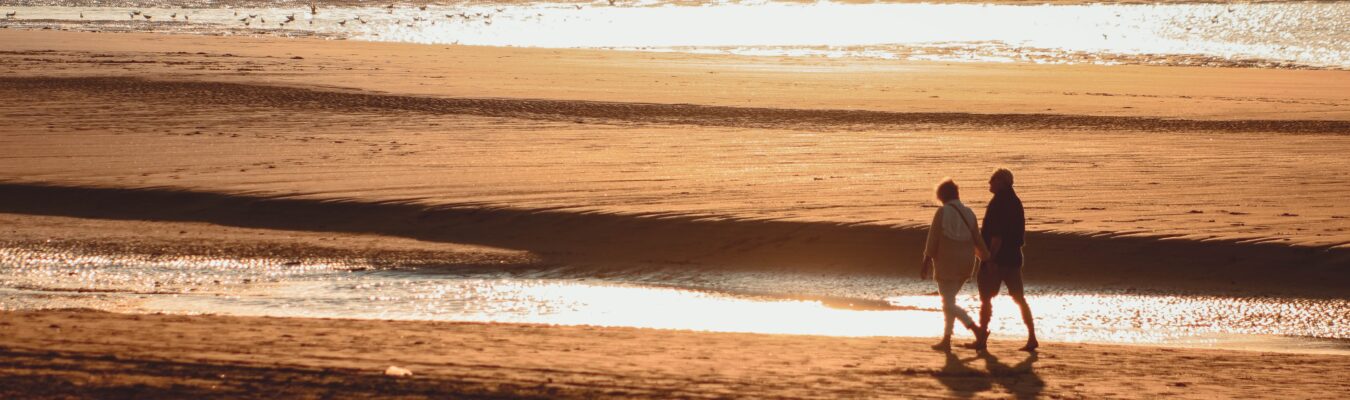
1004,229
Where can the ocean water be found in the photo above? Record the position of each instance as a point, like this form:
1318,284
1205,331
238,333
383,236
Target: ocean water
774,303
1265,34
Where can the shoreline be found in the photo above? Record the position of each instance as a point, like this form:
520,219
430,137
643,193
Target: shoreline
1260,50
136,241
56,354
153,240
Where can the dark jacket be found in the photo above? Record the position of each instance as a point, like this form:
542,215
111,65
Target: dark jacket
1004,218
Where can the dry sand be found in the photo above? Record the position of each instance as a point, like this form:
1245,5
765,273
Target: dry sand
1202,179
61,354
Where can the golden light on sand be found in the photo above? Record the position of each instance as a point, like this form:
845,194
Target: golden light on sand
667,198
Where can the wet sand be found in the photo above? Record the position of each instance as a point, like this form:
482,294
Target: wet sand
58,354
676,78
1098,150
1221,179
105,220
1198,179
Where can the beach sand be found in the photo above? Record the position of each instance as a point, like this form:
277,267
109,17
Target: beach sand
1194,177
1198,179
61,354
1195,153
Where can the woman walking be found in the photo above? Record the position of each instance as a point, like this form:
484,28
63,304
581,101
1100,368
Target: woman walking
949,257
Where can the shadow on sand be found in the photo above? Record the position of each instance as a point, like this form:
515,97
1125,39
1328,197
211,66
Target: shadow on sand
124,377
207,93
603,240
964,381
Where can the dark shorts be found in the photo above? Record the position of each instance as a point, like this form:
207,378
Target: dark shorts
989,281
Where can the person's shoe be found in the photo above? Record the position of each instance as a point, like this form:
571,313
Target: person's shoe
1031,346
944,346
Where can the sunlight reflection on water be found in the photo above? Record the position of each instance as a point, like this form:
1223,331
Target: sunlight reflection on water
1315,34
34,279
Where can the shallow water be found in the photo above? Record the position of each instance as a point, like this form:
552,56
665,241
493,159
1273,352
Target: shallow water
778,303
1293,34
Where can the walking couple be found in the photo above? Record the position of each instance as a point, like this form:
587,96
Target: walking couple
954,243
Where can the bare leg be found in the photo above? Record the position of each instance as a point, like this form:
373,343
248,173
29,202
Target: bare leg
986,310
1015,290
988,286
946,343
952,312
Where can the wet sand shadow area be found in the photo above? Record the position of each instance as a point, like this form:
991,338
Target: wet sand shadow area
609,240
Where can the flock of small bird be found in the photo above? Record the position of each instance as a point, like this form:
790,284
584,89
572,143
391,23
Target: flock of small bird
138,13
249,19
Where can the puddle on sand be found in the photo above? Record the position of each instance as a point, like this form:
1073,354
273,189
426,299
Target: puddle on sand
716,301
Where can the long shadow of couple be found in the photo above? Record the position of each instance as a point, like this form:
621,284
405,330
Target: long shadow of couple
1019,379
